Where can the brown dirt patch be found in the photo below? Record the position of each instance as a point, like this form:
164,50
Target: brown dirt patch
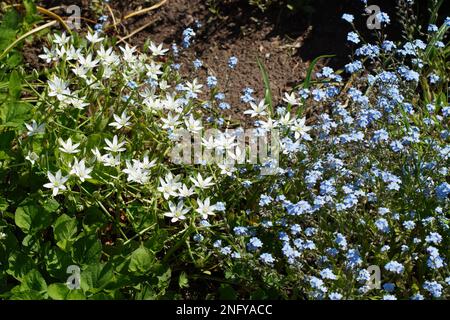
240,31
285,42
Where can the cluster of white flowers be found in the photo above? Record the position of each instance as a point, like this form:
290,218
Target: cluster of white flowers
144,105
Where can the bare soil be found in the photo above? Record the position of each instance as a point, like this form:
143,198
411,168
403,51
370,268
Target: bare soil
285,41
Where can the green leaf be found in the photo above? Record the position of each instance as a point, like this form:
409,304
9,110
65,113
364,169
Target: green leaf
10,20
30,11
60,291
164,279
50,205
65,230
76,295
267,91
56,262
437,36
14,113
33,280
104,296
157,239
96,277
307,82
6,37
183,281
19,265
146,293
14,59
87,250
93,220
3,205
15,85
31,218
27,295
141,260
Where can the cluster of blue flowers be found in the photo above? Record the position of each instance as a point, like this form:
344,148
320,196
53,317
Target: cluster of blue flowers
188,34
368,186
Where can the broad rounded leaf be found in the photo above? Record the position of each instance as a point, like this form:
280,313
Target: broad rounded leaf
141,261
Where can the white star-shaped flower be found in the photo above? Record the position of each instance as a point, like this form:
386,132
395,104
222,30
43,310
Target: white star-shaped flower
201,183
205,208
94,37
114,145
79,169
291,99
257,109
157,50
32,157
193,125
56,183
169,186
68,146
58,88
185,192
300,129
33,128
177,212
121,121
